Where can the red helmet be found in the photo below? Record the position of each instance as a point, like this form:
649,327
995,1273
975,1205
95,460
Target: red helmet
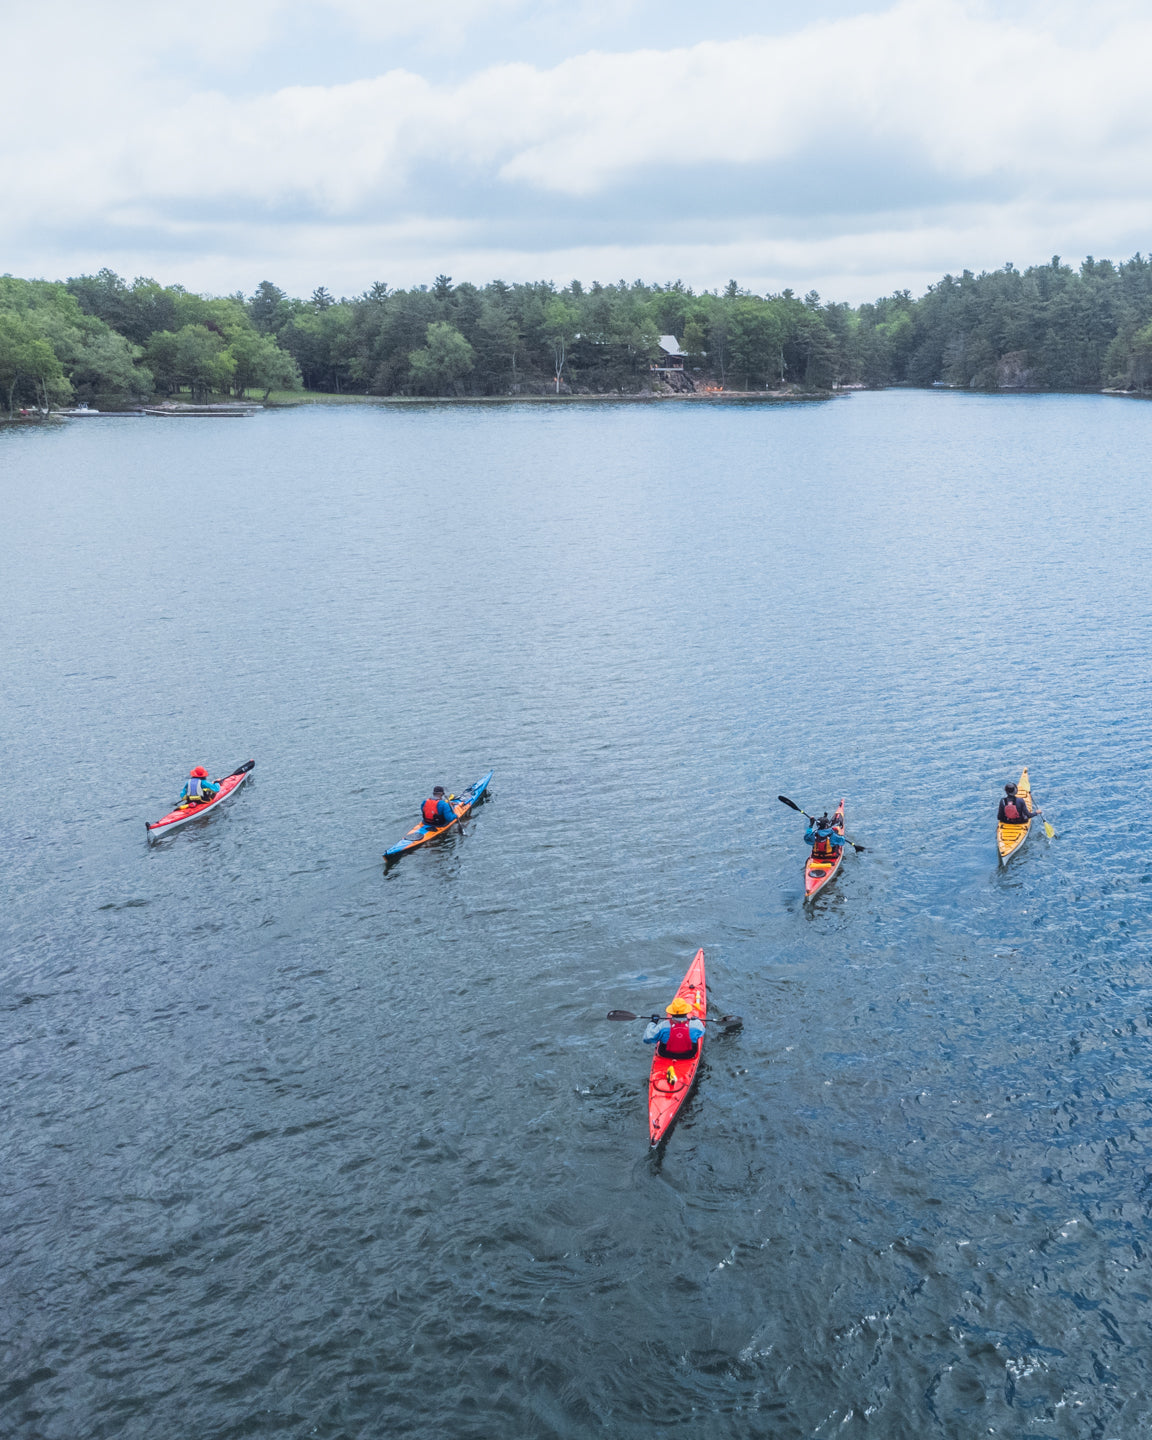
199,773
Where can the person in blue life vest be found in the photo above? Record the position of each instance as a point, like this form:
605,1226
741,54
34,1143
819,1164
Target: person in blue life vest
826,841
198,787
677,1037
437,809
1013,809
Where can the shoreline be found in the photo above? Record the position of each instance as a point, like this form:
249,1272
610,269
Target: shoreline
289,401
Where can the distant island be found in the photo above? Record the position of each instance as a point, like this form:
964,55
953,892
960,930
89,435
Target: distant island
98,339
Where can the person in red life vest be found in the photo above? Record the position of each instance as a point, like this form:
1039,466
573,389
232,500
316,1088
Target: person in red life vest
437,809
677,1037
1014,808
198,788
825,839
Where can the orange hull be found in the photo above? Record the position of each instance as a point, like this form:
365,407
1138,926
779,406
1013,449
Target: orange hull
671,1080
818,873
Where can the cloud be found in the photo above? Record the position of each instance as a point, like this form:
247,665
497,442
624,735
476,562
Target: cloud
877,135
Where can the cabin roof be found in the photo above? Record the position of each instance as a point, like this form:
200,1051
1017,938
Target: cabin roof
670,345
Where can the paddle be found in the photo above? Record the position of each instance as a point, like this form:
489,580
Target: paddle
793,806
240,770
732,1020
1048,830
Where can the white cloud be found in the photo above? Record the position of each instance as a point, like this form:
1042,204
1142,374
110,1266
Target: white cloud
869,137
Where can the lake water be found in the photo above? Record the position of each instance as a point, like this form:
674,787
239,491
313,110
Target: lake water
294,1147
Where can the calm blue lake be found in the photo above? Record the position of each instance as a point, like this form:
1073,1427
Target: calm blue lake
294,1147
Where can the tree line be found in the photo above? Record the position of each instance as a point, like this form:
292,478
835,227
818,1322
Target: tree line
99,337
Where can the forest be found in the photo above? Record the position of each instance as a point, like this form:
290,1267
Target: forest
99,338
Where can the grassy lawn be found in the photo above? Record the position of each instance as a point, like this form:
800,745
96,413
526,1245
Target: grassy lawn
313,397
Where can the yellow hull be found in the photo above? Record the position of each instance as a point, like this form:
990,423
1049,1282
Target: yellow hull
1009,838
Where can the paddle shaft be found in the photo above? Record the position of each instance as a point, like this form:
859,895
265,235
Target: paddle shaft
801,811
628,1015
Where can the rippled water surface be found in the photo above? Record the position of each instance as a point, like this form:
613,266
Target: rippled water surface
293,1147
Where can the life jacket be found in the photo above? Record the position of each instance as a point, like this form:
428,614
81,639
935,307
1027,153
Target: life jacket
195,789
823,849
430,811
679,1040
1012,812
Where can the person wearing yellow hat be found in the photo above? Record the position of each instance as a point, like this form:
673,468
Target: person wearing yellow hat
677,1036
198,788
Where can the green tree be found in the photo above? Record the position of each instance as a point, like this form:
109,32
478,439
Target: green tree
441,363
260,364
560,322
106,365
754,342
194,356
27,361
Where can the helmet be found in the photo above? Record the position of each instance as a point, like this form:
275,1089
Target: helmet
438,790
199,773
678,1006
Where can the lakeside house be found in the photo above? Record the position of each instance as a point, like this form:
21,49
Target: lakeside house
671,356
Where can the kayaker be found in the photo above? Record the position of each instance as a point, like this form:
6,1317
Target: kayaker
1014,808
677,1036
198,787
825,839
437,810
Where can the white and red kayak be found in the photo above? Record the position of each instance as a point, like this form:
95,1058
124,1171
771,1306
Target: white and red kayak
185,813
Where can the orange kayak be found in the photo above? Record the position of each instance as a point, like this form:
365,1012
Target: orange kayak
818,873
671,1080
1009,838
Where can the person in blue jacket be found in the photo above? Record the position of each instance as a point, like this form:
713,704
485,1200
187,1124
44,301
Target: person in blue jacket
826,841
198,788
437,809
677,1037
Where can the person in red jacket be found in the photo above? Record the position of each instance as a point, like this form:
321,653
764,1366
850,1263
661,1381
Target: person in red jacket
678,1036
437,809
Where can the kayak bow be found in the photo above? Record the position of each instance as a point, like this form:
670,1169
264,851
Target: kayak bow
182,814
422,833
671,1080
1009,838
818,873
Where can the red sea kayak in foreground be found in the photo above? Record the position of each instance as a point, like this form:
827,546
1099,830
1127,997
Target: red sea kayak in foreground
818,873
183,814
671,1080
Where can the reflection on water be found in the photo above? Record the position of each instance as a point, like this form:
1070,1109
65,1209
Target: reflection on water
297,1148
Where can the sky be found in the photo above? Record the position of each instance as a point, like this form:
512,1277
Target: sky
846,146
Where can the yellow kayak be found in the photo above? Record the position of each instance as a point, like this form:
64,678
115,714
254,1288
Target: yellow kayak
1009,838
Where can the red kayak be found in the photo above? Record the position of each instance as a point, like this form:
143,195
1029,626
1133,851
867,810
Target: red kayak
818,873
671,1080
185,813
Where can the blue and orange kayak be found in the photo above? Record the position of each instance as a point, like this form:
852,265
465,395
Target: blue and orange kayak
422,833
672,1079
184,814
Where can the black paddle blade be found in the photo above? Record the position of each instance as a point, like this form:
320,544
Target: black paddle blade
733,1022
621,1015
790,803
243,769
858,848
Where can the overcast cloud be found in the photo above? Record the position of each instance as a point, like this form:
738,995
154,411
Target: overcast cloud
852,147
